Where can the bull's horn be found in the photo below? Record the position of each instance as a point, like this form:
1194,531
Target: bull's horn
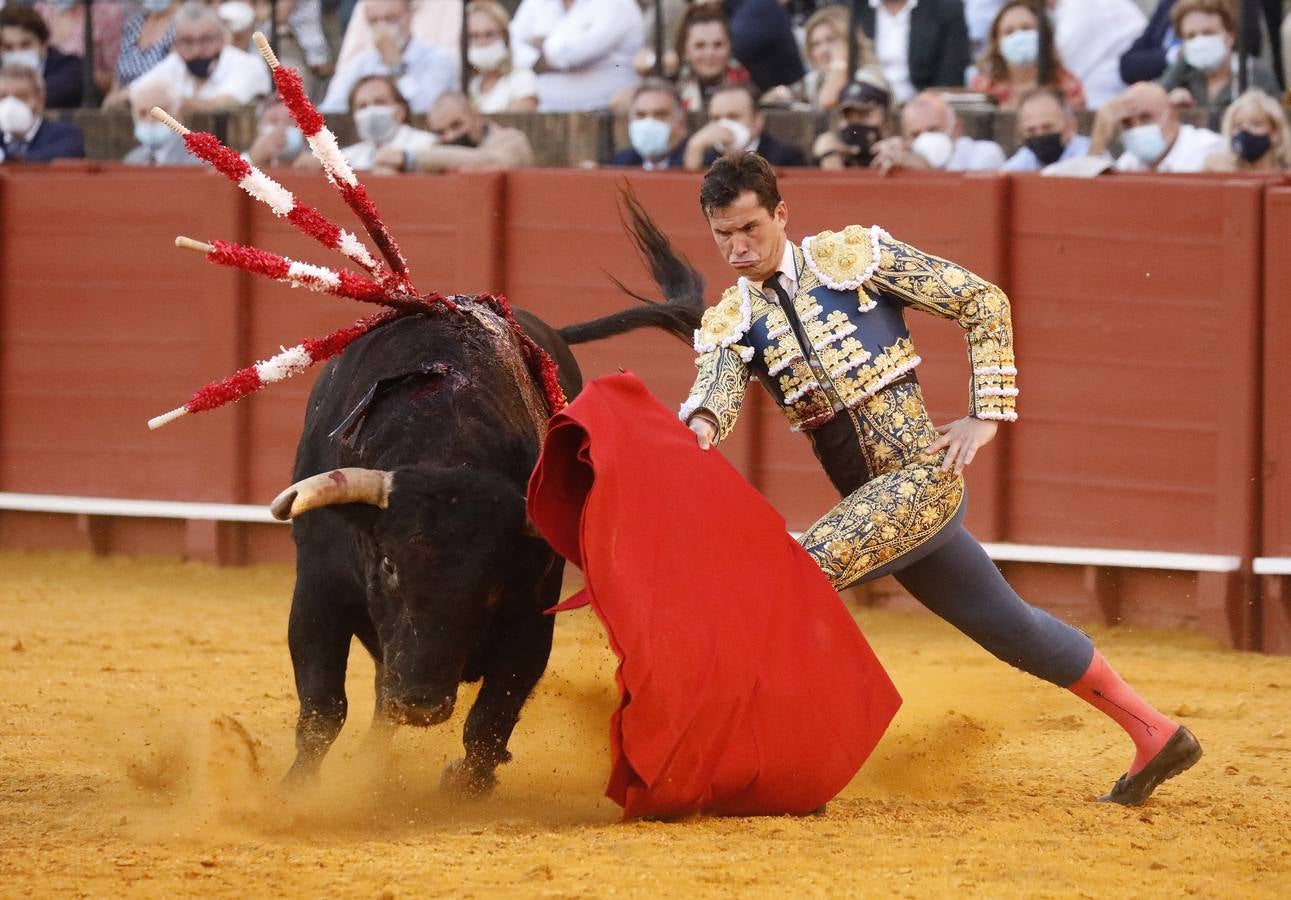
329,488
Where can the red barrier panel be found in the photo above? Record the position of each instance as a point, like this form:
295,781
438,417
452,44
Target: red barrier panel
1276,482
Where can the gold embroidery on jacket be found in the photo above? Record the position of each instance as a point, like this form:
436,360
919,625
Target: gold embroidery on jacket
719,388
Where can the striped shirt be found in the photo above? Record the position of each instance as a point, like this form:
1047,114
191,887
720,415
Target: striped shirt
134,59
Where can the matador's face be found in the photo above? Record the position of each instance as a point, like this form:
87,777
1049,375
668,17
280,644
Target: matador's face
750,238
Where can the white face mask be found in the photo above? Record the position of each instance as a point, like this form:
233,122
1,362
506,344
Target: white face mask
935,147
1021,48
16,117
740,134
1205,52
376,124
29,58
649,138
1145,141
488,58
237,15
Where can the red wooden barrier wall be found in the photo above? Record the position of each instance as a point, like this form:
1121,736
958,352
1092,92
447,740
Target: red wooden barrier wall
1276,537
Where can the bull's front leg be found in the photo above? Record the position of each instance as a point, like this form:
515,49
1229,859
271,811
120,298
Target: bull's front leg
319,640
517,657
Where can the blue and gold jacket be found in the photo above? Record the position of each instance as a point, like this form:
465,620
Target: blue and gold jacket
853,287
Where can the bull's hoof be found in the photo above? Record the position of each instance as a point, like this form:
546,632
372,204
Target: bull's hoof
460,780
300,777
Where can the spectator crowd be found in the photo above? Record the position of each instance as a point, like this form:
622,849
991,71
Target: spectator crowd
1169,85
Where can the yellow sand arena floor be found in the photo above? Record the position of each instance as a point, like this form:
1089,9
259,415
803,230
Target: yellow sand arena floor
146,712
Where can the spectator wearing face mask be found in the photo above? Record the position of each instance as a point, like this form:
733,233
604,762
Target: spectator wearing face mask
1046,129
1205,74
278,141
920,43
826,40
156,145
1159,46
704,47
858,124
495,85
421,71
581,50
1154,138
736,123
25,136
1091,36
465,141
66,21
932,138
24,40
434,22
380,115
656,128
205,72
146,38
1257,134
1020,56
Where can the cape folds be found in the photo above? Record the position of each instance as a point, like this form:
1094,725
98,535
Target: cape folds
746,687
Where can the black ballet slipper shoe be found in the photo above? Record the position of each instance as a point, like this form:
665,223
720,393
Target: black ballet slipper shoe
1179,754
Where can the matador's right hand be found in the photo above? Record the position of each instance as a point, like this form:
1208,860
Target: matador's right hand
705,431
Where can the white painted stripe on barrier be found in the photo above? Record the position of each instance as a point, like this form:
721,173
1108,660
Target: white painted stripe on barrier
144,509
1272,565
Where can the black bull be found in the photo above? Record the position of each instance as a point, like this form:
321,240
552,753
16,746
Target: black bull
410,523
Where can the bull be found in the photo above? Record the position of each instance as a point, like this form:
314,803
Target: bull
409,519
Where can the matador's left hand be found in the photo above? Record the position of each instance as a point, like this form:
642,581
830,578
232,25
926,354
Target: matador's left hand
964,437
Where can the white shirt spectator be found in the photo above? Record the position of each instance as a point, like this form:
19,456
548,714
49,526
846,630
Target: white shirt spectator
518,84
590,45
427,71
975,156
1091,36
434,22
1025,161
892,46
236,74
407,138
1187,154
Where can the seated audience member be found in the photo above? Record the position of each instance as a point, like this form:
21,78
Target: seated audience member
581,50
1046,128
206,73
736,123
66,21
1154,138
1020,56
465,140
656,128
421,71
1091,36
25,136
24,40
825,37
932,138
1159,45
1205,74
920,43
434,22
146,38
762,38
704,47
157,144
495,85
858,124
1257,135
381,116
278,141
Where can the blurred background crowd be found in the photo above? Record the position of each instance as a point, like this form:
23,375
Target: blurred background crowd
1067,86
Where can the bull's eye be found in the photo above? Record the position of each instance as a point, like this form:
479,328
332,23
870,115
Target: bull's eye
388,572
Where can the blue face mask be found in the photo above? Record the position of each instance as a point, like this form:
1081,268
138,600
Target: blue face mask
1021,48
151,134
650,138
1146,142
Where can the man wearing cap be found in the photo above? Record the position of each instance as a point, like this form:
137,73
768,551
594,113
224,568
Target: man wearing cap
858,123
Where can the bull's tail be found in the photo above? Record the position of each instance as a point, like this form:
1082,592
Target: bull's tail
682,286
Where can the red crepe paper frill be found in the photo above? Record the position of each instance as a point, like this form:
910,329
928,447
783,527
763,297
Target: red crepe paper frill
249,259
292,91
208,147
312,223
356,197
235,387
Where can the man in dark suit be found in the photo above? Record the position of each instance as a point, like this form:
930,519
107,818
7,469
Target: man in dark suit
656,128
25,136
24,38
920,43
735,123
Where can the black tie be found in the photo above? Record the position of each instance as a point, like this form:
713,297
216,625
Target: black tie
790,313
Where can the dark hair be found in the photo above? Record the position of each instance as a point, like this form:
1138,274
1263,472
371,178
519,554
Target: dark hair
1053,94
655,85
387,80
25,17
745,89
700,14
734,173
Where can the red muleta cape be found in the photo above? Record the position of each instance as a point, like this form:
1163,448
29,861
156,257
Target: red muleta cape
747,688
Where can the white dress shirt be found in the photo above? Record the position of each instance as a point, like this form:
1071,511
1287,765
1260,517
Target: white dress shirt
426,72
1091,36
590,45
1187,154
360,155
892,45
236,74
518,84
